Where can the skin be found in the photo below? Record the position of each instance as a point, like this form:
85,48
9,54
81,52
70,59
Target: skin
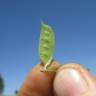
59,84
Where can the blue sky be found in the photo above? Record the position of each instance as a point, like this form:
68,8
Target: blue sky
74,25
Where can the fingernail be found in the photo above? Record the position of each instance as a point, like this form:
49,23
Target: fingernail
69,82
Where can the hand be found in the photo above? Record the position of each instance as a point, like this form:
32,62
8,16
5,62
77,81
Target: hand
70,80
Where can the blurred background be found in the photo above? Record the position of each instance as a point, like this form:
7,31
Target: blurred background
74,25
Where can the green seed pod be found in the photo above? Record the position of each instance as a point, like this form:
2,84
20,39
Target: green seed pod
46,44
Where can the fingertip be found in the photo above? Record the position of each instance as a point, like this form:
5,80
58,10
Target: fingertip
37,82
72,80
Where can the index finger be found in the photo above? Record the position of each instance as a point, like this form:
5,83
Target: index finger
38,83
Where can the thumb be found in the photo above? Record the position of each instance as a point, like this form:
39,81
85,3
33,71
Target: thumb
74,80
